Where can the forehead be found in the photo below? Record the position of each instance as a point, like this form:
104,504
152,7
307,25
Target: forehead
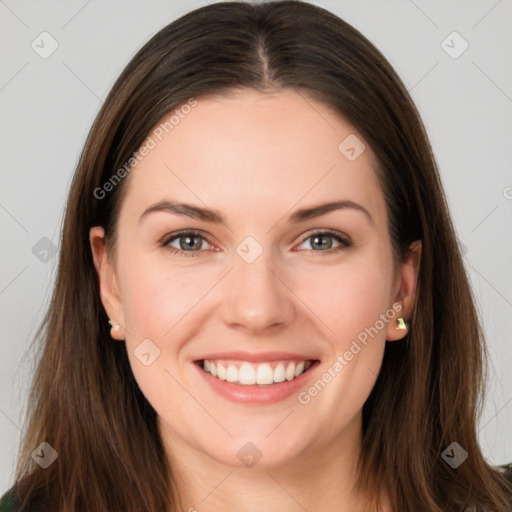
249,151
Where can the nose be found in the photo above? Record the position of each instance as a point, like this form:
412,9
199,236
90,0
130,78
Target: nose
256,298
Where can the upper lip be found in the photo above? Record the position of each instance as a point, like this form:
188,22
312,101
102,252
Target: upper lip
255,357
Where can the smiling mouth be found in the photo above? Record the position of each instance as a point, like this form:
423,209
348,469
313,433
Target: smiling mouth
255,374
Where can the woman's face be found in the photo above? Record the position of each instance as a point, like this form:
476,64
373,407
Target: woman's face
242,263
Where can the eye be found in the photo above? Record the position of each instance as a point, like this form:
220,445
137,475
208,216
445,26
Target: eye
192,243
186,243
324,241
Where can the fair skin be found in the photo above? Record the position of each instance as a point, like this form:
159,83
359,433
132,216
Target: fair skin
256,159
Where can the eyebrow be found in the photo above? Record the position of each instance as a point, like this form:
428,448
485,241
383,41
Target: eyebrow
322,209
214,216
189,210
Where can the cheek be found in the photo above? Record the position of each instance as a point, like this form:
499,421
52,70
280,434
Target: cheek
157,294
157,297
352,300
348,297
345,297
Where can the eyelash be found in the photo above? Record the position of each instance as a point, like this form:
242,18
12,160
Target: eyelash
344,241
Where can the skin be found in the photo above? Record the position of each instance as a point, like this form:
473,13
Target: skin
256,158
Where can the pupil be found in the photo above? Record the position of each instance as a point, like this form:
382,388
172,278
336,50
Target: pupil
318,242
187,242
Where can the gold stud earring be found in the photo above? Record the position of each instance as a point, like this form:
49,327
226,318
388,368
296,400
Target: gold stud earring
114,326
401,325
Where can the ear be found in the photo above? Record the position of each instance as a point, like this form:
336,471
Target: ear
405,290
109,290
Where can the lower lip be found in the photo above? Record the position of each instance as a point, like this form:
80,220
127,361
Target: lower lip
254,394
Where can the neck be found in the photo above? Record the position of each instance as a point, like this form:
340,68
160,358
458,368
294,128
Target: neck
321,478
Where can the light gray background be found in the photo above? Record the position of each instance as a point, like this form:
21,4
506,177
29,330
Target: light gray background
48,105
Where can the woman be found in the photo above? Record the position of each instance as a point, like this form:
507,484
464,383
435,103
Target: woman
260,300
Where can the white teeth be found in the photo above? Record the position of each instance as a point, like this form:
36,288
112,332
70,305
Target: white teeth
264,375
290,371
279,375
249,374
232,373
221,372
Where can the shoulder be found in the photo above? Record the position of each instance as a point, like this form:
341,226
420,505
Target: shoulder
506,471
8,502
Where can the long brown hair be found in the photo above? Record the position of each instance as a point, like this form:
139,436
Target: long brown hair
84,399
